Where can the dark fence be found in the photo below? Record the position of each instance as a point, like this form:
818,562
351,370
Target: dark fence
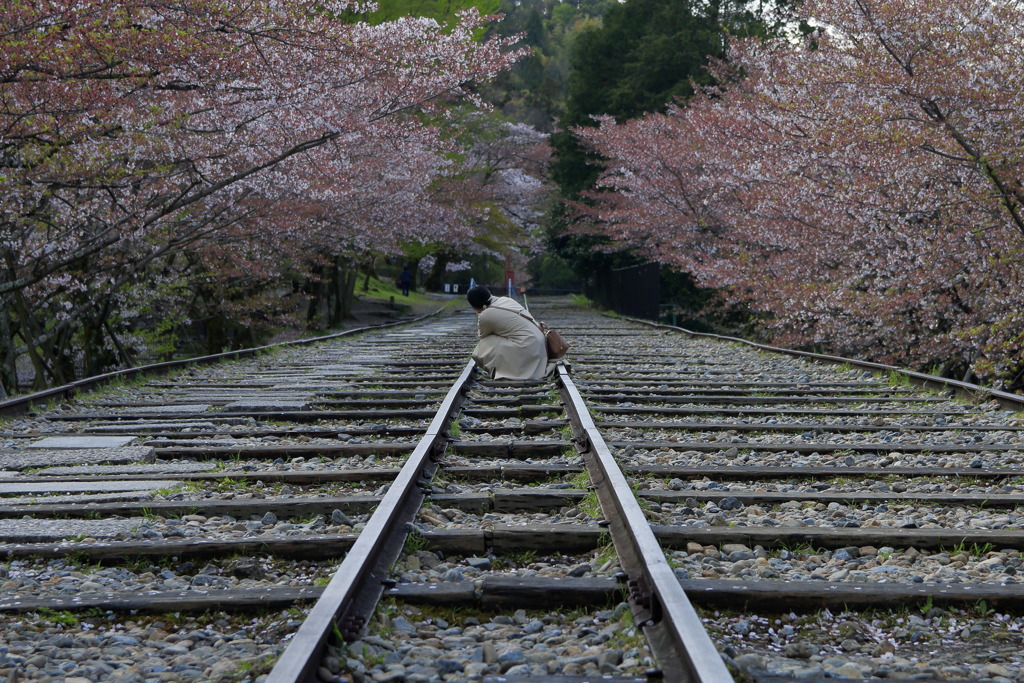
634,291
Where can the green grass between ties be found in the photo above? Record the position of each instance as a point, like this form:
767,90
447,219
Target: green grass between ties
580,301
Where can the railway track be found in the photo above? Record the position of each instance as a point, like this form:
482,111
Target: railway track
676,507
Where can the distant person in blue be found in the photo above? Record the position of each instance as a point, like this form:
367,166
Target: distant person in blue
405,281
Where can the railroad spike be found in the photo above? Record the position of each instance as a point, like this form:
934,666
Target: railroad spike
352,626
640,592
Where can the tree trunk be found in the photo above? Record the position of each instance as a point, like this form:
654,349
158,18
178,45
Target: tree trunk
337,293
92,348
59,350
8,349
95,358
370,270
315,287
8,356
30,332
434,281
216,339
348,292
126,360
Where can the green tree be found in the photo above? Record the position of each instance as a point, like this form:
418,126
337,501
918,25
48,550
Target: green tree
644,55
533,92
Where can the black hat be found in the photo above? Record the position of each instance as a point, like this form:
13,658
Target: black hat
478,296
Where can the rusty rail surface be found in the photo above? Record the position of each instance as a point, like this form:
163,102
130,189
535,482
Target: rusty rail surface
678,639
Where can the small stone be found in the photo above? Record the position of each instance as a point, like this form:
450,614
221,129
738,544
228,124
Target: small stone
846,671
481,563
245,568
474,671
801,650
449,666
507,660
453,575
38,661
535,626
850,645
609,660
730,548
402,625
750,662
427,559
993,670
339,518
730,503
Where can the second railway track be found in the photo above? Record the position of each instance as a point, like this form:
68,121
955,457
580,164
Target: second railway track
822,520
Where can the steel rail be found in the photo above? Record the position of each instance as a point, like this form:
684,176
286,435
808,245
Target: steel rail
1004,398
678,639
21,404
353,592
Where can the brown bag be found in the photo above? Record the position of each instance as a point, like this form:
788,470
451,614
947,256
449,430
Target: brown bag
556,346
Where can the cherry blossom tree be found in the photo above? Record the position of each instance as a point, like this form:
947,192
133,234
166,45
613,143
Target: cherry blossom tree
861,189
134,131
499,182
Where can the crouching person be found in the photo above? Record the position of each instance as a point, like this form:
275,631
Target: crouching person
511,344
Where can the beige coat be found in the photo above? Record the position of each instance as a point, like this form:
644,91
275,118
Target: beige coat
510,345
